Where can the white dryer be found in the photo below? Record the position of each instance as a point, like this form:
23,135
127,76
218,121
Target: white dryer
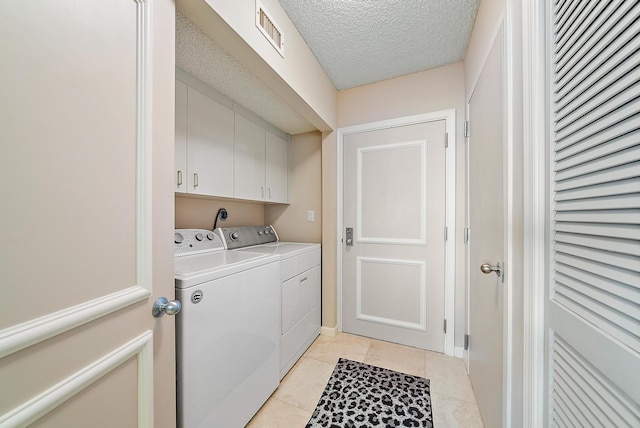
300,285
227,333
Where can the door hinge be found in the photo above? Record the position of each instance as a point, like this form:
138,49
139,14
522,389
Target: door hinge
466,342
446,233
467,130
466,235
446,140
445,327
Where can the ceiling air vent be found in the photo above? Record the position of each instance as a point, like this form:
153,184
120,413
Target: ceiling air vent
268,27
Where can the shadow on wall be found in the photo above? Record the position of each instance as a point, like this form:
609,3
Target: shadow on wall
193,212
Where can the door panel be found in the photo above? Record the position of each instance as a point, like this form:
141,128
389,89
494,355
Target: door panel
394,198
78,260
486,220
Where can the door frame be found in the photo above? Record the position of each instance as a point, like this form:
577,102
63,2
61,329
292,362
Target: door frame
449,116
536,173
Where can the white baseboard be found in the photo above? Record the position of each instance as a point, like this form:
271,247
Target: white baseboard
458,352
328,331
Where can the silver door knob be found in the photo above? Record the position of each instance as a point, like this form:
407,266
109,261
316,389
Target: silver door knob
164,306
486,268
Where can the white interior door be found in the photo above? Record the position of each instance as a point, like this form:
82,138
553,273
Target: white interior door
394,200
87,89
592,305
486,223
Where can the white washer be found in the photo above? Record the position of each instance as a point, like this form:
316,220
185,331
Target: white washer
300,277
227,333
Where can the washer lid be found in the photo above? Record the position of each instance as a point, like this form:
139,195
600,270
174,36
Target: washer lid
283,249
200,268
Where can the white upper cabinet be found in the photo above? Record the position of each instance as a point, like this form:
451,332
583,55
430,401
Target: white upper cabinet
249,160
219,152
261,163
277,168
181,138
210,133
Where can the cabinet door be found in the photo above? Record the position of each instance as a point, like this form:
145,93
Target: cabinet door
249,160
180,176
209,146
277,168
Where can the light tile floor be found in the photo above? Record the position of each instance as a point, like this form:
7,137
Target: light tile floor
291,405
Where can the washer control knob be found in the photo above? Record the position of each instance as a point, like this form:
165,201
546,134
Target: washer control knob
234,235
259,233
178,238
210,236
199,237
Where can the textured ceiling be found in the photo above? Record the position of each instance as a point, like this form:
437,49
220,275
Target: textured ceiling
356,41
364,41
206,60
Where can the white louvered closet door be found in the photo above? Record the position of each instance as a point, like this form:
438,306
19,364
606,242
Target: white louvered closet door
593,306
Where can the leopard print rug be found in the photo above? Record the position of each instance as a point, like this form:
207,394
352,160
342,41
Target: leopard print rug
361,395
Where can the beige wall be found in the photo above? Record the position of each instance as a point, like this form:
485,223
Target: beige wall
193,212
329,230
305,192
488,20
432,90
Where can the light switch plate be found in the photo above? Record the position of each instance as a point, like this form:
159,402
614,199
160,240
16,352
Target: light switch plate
311,215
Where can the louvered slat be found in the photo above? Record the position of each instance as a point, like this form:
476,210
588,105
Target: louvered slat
572,402
581,30
608,135
607,271
586,152
620,86
567,16
600,111
615,289
604,42
615,311
619,187
616,117
612,230
599,163
613,202
622,172
560,8
622,261
616,245
562,416
612,322
589,385
601,418
601,216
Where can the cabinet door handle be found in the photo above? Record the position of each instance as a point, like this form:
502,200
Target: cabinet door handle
179,178
269,190
303,280
195,180
262,192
